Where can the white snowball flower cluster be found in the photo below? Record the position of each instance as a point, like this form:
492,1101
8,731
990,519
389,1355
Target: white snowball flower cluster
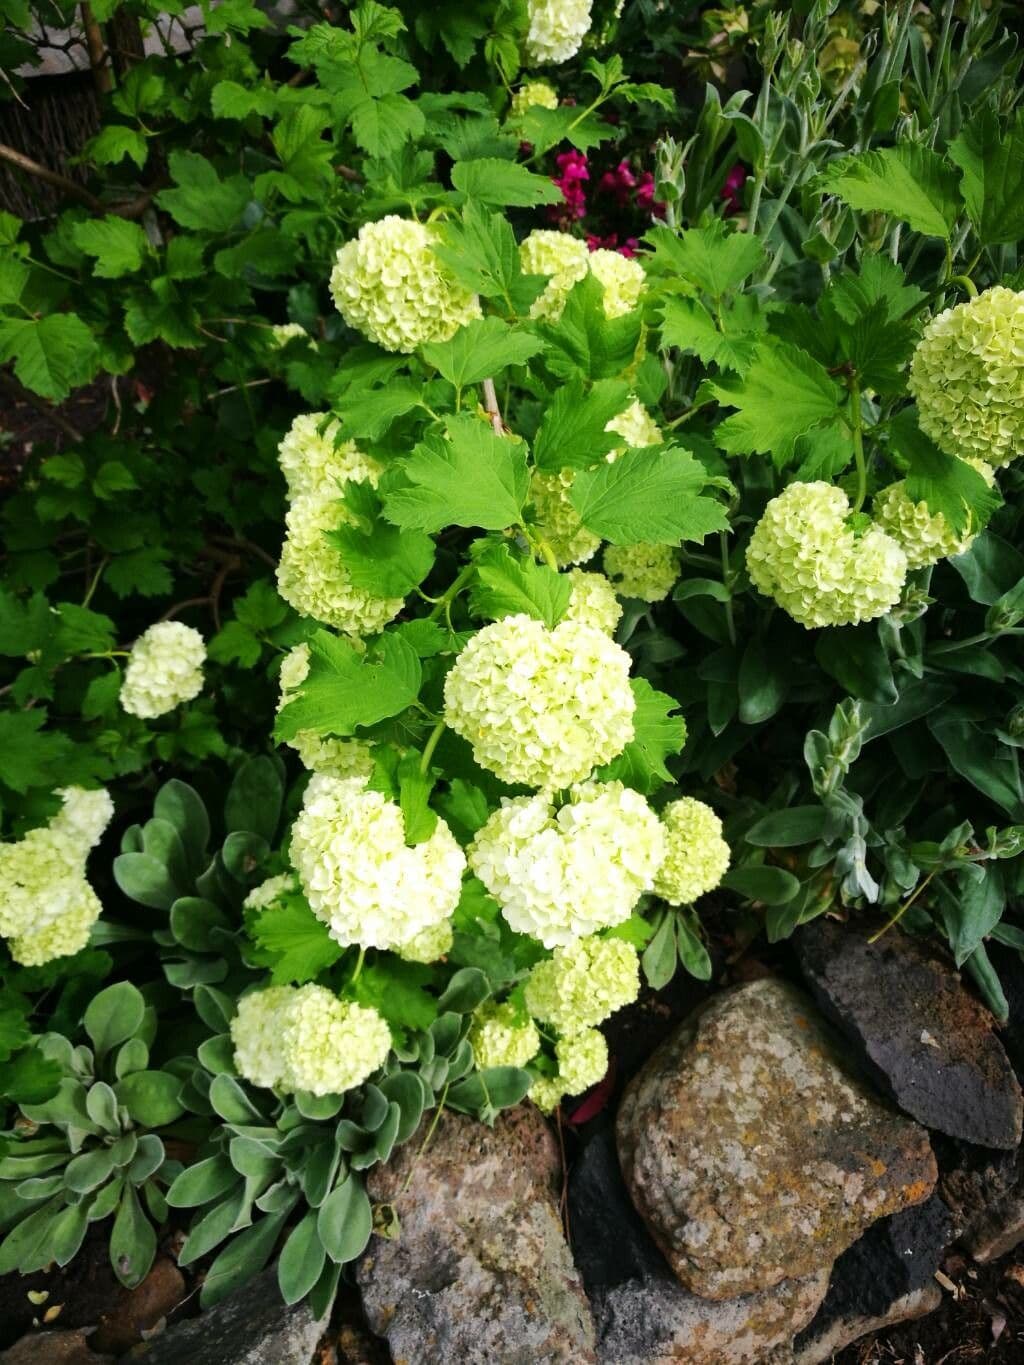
311,574
580,985
359,875
501,1036
567,260
541,707
389,284
647,572
165,669
557,29
593,601
531,94
313,460
559,874
925,537
47,906
967,375
696,855
805,556
621,278
332,755
305,1038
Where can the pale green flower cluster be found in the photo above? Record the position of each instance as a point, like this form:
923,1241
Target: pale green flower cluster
581,984
582,1060
924,537
165,669
647,572
696,855
557,29
314,460
389,284
533,93
311,574
805,556
334,756
305,1038
577,988
271,891
967,376
429,944
567,260
541,708
283,332
359,875
559,874
622,280
502,1036
47,906
593,601
558,521
564,258
636,426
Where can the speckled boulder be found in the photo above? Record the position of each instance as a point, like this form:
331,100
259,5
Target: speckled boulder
752,1154
480,1272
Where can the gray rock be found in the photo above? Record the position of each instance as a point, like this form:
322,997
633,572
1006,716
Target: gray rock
985,1191
655,1321
884,1278
253,1326
923,1038
480,1272
841,1333
751,1153
641,1311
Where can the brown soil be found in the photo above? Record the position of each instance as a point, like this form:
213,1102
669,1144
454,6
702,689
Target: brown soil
981,1320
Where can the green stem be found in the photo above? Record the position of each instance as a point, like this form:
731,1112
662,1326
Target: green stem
966,284
95,581
431,745
895,919
359,965
427,1140
451,593
730,621
857,429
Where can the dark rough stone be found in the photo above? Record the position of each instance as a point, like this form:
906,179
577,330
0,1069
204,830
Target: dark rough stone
253,1326
139,1310
985,1192
610,1241
922,1037
1010,969
752,1155
480,1272
881,1275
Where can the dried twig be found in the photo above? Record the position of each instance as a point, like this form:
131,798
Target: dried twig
491,404
25,163
102,75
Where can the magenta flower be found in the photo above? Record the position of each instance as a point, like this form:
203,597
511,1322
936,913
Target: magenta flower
732,190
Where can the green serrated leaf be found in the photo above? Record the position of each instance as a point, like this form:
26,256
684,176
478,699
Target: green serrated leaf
651,496
911,182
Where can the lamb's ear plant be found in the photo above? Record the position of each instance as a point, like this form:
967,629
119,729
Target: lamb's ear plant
94,1153
168,865
287,1172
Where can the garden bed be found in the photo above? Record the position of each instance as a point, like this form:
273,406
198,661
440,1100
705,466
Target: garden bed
510,627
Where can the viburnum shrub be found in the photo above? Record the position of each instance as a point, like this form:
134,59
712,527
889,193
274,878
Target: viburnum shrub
602,595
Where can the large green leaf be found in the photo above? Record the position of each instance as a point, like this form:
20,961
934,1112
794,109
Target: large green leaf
345,690
783,394
911,182
652,496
